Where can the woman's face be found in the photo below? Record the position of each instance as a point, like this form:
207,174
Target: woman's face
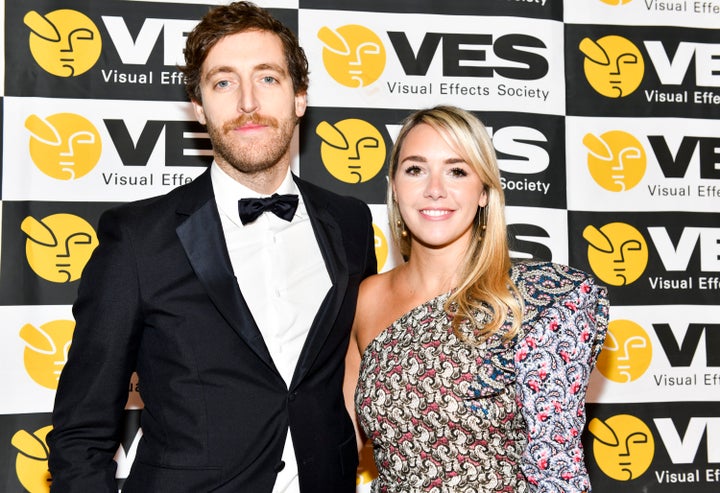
437,192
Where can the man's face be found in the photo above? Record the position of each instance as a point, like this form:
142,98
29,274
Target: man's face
248,102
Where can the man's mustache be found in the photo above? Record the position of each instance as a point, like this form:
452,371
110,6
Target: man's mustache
254,119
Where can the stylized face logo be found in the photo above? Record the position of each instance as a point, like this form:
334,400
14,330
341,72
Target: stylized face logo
64,42
58,246
64,146
623,446
46,350
353,55
617,253
627,352
614,66
353,151
31,465
616,160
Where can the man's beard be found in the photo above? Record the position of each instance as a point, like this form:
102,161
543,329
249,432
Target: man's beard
252,157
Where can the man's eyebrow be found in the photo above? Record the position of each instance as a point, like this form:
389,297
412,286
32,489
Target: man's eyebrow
260,67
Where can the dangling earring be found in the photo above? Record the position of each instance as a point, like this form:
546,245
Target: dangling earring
401,227
482,221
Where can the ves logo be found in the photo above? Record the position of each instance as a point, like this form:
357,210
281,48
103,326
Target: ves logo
64,146
65,42
623,446
353,55
58,246
381,247
617,253
46,349
352,150
31,465
616,160
613,66
627,352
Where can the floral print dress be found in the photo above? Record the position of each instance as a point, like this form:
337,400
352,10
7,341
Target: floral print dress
444,415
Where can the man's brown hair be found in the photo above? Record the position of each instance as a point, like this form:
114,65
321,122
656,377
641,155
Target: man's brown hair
235,18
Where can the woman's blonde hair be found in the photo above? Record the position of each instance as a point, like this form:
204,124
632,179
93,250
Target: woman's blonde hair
484,274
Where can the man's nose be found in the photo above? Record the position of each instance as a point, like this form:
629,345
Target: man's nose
247,101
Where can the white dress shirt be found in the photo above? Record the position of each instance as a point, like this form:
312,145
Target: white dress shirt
283,278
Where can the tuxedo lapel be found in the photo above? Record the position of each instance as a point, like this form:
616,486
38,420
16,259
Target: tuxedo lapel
202,238
329,238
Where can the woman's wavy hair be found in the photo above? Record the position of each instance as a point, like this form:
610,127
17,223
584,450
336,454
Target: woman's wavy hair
235,18
484,284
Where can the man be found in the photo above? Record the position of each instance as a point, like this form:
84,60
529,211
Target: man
236,327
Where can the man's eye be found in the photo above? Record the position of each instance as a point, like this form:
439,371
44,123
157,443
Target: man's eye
269,79
222,84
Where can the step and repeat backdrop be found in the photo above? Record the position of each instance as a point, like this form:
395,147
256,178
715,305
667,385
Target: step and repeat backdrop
605,116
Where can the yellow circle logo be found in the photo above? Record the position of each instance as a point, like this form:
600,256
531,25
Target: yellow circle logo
617,253
58,246
616,2
616,160
31,465
614,66
352,150
381,247
366,471
64,146
46,349
64,42
623,446
627,352
353,55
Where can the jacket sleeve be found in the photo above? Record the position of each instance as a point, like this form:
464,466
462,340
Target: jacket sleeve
93,388
554,361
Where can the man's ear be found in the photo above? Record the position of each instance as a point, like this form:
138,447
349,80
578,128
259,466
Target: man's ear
199,111
300,104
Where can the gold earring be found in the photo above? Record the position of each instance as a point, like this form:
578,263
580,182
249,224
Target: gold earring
401,227
482,220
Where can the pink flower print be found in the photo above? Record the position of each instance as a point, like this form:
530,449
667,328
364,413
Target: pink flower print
574,387
534,385
522,353
559,438
565,356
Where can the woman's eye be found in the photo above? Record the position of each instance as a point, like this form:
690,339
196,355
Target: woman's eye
412,170
458,172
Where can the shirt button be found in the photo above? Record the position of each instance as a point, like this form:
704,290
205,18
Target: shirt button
279,466
292,396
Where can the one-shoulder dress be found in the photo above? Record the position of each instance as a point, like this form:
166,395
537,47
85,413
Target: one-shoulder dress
445,415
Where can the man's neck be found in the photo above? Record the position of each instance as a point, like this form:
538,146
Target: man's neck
264,182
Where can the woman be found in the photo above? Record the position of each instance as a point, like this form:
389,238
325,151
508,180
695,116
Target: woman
471,371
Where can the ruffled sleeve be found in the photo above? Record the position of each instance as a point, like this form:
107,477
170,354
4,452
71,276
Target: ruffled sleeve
559,347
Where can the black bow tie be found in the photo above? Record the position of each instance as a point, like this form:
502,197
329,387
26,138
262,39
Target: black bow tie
283,206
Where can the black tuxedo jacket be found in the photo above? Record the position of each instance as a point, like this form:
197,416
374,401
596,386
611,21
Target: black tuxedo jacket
159,296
